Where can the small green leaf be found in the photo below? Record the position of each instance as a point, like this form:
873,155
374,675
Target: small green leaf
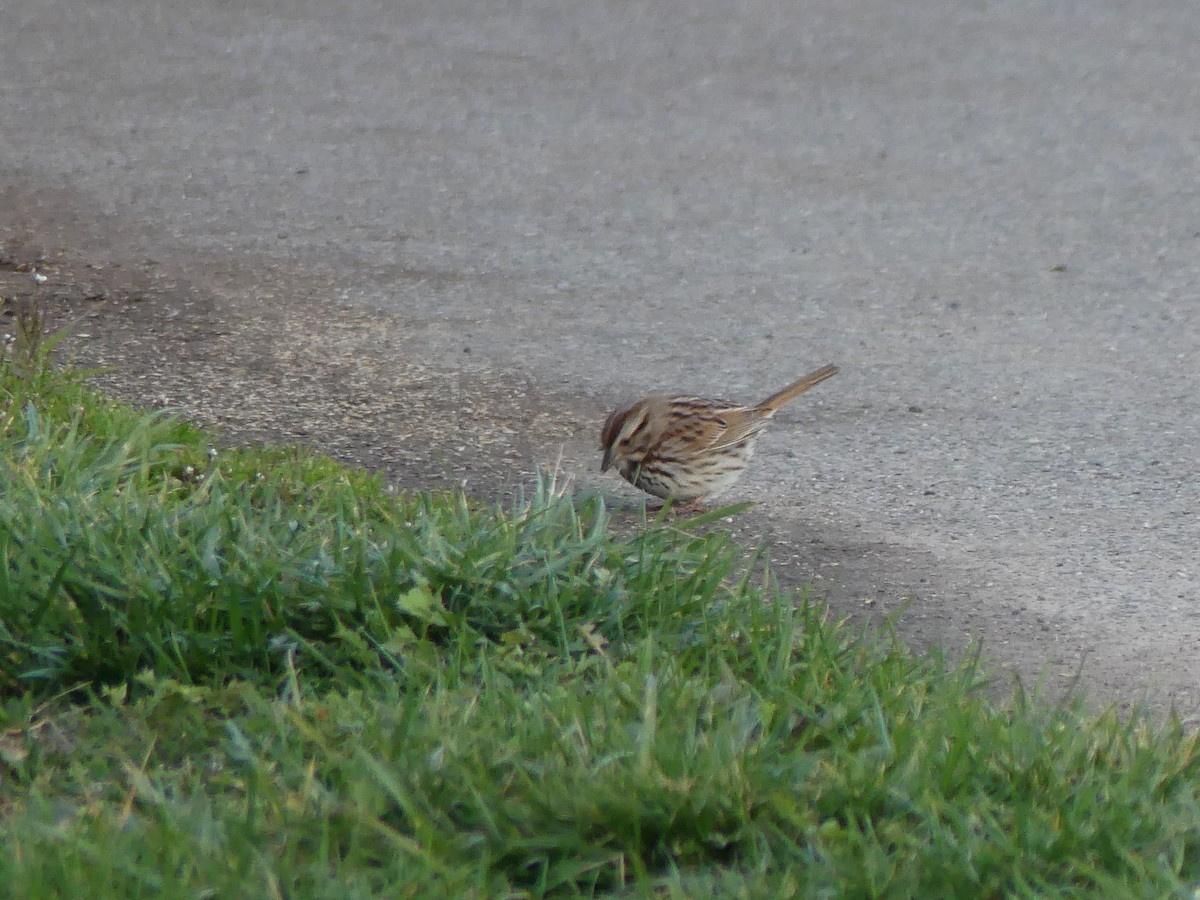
420,603
516,638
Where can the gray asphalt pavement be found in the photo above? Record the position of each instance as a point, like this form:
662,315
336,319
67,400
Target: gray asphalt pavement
988,214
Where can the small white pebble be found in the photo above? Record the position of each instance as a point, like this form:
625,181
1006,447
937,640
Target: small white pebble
39,277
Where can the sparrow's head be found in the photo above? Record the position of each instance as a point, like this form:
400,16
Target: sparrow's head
629,434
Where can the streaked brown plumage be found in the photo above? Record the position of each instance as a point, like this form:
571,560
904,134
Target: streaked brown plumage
689,448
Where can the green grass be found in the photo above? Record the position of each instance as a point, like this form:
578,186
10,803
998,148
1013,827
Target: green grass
259,673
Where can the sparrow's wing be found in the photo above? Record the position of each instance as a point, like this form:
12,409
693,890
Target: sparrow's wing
707,426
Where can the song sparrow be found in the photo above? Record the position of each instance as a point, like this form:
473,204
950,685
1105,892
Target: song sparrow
689,448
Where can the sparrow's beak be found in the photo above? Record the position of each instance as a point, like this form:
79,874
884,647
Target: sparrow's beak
607,461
